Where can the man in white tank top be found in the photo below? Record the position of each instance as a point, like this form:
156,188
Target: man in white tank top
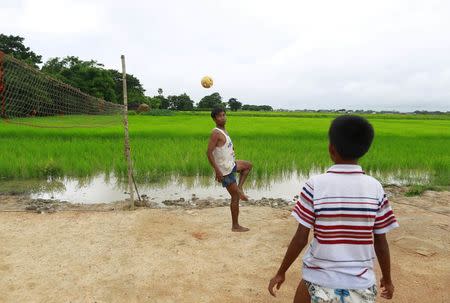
221,157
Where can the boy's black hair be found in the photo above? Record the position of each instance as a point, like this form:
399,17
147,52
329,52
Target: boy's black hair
351,136
216,111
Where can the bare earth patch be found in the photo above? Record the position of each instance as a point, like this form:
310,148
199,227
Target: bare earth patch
189,254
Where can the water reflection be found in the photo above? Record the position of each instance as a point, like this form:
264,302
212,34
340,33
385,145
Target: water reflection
107,188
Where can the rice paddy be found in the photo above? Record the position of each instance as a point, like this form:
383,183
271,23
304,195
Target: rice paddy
407,147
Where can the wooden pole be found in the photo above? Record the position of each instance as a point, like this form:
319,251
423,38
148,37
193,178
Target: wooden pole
127,139
2,86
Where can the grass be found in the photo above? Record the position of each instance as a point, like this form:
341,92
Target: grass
18,187
303,114
417,190
416,151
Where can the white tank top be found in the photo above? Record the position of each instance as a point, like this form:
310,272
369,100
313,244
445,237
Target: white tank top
224,155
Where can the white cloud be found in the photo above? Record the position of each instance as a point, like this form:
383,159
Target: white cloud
60,17
286,53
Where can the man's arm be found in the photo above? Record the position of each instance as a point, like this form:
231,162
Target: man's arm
297,244
213,140
382,250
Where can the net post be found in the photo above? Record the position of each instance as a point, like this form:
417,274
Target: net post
127,139
2,86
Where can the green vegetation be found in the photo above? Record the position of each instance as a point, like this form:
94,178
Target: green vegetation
414,151
310,114
91,77
14,45
417,190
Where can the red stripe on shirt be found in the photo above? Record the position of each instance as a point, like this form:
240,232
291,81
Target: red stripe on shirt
344,232
303,217
306,219
368,203
350,227
344,242
305,209
388,214
384,203
346,216
299,211
306,198
391,221
343,236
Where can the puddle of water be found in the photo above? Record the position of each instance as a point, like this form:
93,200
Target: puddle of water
103,189
402,178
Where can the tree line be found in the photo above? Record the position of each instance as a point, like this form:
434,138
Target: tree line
93,78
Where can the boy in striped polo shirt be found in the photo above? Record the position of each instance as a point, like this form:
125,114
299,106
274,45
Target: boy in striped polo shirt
350,216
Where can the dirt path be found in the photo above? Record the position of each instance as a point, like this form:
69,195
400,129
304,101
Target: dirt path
179,255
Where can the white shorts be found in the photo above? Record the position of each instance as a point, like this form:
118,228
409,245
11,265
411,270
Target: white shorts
320,294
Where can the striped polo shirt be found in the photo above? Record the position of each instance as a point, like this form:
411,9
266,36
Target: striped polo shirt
345,207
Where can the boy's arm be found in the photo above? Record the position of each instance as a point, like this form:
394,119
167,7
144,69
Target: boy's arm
297,244
209,153
382,251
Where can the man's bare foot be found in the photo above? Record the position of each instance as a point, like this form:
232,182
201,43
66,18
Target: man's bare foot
240,229
242,196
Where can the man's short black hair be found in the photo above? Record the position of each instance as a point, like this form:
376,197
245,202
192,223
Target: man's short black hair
351,136
216,111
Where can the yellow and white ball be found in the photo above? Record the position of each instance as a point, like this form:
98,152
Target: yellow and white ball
207,82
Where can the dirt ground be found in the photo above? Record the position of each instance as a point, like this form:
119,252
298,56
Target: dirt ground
190,254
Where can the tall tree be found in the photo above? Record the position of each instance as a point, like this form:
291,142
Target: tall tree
234,104
211,101
181,102
88,76
153,102
135,91
163,102
13,45
257,107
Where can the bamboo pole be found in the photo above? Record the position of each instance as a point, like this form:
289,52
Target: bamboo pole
127,139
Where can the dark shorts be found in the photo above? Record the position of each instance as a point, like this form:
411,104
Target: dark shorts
230,178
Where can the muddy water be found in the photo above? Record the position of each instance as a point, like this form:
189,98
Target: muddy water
102,189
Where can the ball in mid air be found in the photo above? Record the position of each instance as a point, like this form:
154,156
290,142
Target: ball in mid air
207,82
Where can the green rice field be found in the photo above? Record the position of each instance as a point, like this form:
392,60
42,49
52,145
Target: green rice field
405,146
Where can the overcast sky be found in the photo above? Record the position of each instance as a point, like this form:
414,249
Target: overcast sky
392,55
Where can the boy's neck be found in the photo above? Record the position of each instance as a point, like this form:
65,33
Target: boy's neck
351,162
221,127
